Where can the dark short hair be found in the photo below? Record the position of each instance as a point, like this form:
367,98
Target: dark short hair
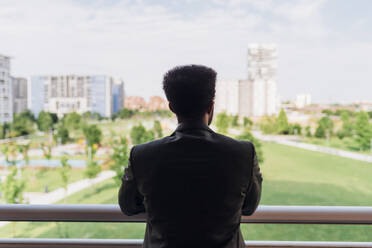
190,89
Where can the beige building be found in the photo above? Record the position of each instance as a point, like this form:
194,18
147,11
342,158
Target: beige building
157,103
135,103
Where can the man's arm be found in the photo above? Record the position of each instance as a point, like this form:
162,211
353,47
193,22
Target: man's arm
130,199
253,194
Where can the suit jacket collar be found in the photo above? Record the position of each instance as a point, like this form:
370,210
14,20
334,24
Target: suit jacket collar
192,125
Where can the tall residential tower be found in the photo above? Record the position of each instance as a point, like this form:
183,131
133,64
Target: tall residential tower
6,101
255,96
19,86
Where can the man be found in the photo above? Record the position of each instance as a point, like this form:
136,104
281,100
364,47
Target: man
195,184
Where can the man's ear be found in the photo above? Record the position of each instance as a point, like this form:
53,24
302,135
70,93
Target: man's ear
211,108
170,107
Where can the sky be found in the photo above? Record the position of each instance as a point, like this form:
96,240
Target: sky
324,46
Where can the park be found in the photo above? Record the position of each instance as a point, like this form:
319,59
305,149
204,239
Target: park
292,176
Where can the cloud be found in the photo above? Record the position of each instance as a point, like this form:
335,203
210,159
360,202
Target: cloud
139,41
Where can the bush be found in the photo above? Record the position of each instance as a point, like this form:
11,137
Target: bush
308,131
247,122
93,135
44,121
139,134
222,122
119,159
62,135
268,125
282,125
247,135
297,129
158,131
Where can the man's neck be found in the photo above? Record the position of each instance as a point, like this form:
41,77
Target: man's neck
192,120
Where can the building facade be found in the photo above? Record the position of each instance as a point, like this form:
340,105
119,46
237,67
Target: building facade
19,86
118,95
262,77
6,98
257,95
135,103
303,100
157,103
73,93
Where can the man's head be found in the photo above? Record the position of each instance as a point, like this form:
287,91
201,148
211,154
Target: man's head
190,90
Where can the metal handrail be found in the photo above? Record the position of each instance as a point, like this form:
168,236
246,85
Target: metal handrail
112,213
137,243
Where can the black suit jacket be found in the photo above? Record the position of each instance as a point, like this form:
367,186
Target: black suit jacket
194,186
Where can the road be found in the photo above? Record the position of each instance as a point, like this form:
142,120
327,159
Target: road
290,141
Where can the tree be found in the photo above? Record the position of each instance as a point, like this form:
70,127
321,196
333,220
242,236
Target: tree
62,134
297,129
327,112
139,134
44,121
47,152
247,135
93,135
325,126
64,172
13,187
320,132
268,124
27,114
308,131
347,125
222,122
93,168
97,116
23,149
73,121
10,152
235,121
282,123
21,125
247,122
119,158
2,132
157,129
125,113
363,131
4,129
87,115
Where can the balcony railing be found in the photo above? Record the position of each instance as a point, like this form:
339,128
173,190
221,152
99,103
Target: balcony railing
112,213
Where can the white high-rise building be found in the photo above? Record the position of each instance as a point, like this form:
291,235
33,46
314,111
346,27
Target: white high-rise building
227,96
257,95
19,86
262,69
303,100
6,101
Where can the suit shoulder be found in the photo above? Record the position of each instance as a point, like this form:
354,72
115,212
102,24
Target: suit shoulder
149,145
232,141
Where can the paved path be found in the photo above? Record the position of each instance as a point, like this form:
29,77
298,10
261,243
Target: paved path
58,194
287,141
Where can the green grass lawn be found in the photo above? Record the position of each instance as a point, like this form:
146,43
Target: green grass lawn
292,176
347,144
37,179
